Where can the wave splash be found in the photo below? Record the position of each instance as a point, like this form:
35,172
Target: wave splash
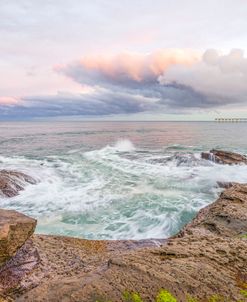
124,145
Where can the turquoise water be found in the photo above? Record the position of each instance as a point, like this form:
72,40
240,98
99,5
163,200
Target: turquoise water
118,180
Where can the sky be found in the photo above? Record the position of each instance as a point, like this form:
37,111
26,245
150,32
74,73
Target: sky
123,60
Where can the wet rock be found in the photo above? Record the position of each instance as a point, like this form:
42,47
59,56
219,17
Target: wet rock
11,182
15,229
187,160
225,184
207,156
180,159
224,157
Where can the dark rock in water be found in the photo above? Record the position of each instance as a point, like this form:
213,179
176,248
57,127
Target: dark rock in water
188,160
206,258
207,156
225,184
15,229
180,159
224,157
11,182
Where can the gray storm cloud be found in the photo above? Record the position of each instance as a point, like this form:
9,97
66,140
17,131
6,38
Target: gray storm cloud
67,104
217,76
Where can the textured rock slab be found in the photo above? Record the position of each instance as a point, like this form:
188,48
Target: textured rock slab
226,217
192,265
44,258
224,157
14,273
15,229
11,182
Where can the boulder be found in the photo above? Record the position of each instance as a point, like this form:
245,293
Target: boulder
11,182
15,229
224,157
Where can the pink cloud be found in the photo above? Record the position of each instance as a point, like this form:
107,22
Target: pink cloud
5,100
129,66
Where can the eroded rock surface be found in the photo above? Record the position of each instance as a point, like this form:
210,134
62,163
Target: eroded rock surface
224,157
207,257
11,182
15,229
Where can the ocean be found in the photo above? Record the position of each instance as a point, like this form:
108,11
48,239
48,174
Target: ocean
118,180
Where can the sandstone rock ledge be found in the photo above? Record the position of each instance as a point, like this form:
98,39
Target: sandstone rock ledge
207,257
15,229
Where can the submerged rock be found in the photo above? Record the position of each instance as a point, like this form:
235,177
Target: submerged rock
225,184
224,157
11,182
206,258
15,229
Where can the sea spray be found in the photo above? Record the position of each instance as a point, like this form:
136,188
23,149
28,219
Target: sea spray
124,145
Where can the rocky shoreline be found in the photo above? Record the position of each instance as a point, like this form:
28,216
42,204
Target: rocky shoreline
208,257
